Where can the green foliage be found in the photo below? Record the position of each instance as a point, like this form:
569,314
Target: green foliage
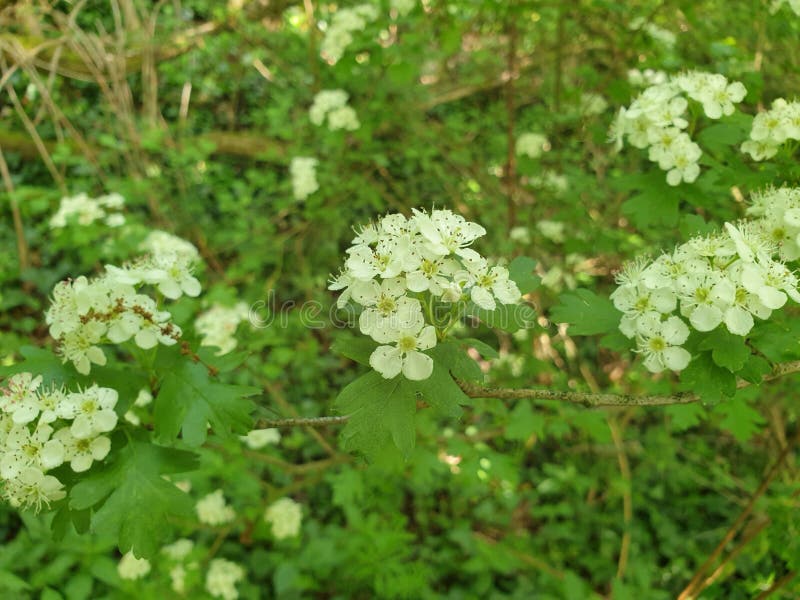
130,500
586,312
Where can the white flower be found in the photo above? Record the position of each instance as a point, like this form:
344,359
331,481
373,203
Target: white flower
222,577
258,438
132,568
489,283
81,453
407,355
659,342
23,449
285,516
91,410
446,233
387,308
704,299
19,398
212,509
771,281
159,242
218,325
532,145
32,488
179,549
303,171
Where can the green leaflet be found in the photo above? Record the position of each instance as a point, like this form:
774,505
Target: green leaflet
382,410
188,400
586,312
130,499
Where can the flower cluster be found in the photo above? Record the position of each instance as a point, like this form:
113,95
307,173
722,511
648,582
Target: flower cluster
258,438
339,34
212,509
331,105
772,128
648,77
395,263
303,170
176,555
403,7
729,278
656,120
532,145
161,243
218,324
132,568
83,210
778,213
285,516
43,427
222,577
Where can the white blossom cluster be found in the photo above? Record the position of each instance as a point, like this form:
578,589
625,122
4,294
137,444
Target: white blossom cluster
218,325
222,577
176,554
132,568
778,217
213,510
771,128
285,516
331,106
43,427
161,243
729,278
83,210
339,34
532,145
303,170
396,262
663,36
648,77
259,438
656,120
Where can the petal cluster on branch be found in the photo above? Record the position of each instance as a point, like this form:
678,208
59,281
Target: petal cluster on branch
86,313
222,577
772,128
217,326
399,265
339,34
729,279
285,516
83,210
303,170
43,427
657,120
331,106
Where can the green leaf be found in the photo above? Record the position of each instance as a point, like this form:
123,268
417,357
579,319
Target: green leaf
131,501
441,392
188,401
651,208
727,350
523,422
755,369
380,410
708,380
586,312
40,361
520,270
507,317
356,348
684,416
452,355
738,417
485,349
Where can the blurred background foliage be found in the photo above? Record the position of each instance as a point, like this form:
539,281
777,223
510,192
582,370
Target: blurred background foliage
193,109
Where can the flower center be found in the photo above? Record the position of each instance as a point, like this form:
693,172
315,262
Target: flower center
386,305
407,343
429,268
657,344
701,295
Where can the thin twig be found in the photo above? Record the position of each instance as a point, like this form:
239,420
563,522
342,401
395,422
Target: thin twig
302,422
694,585
627,502
19,230
777,585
